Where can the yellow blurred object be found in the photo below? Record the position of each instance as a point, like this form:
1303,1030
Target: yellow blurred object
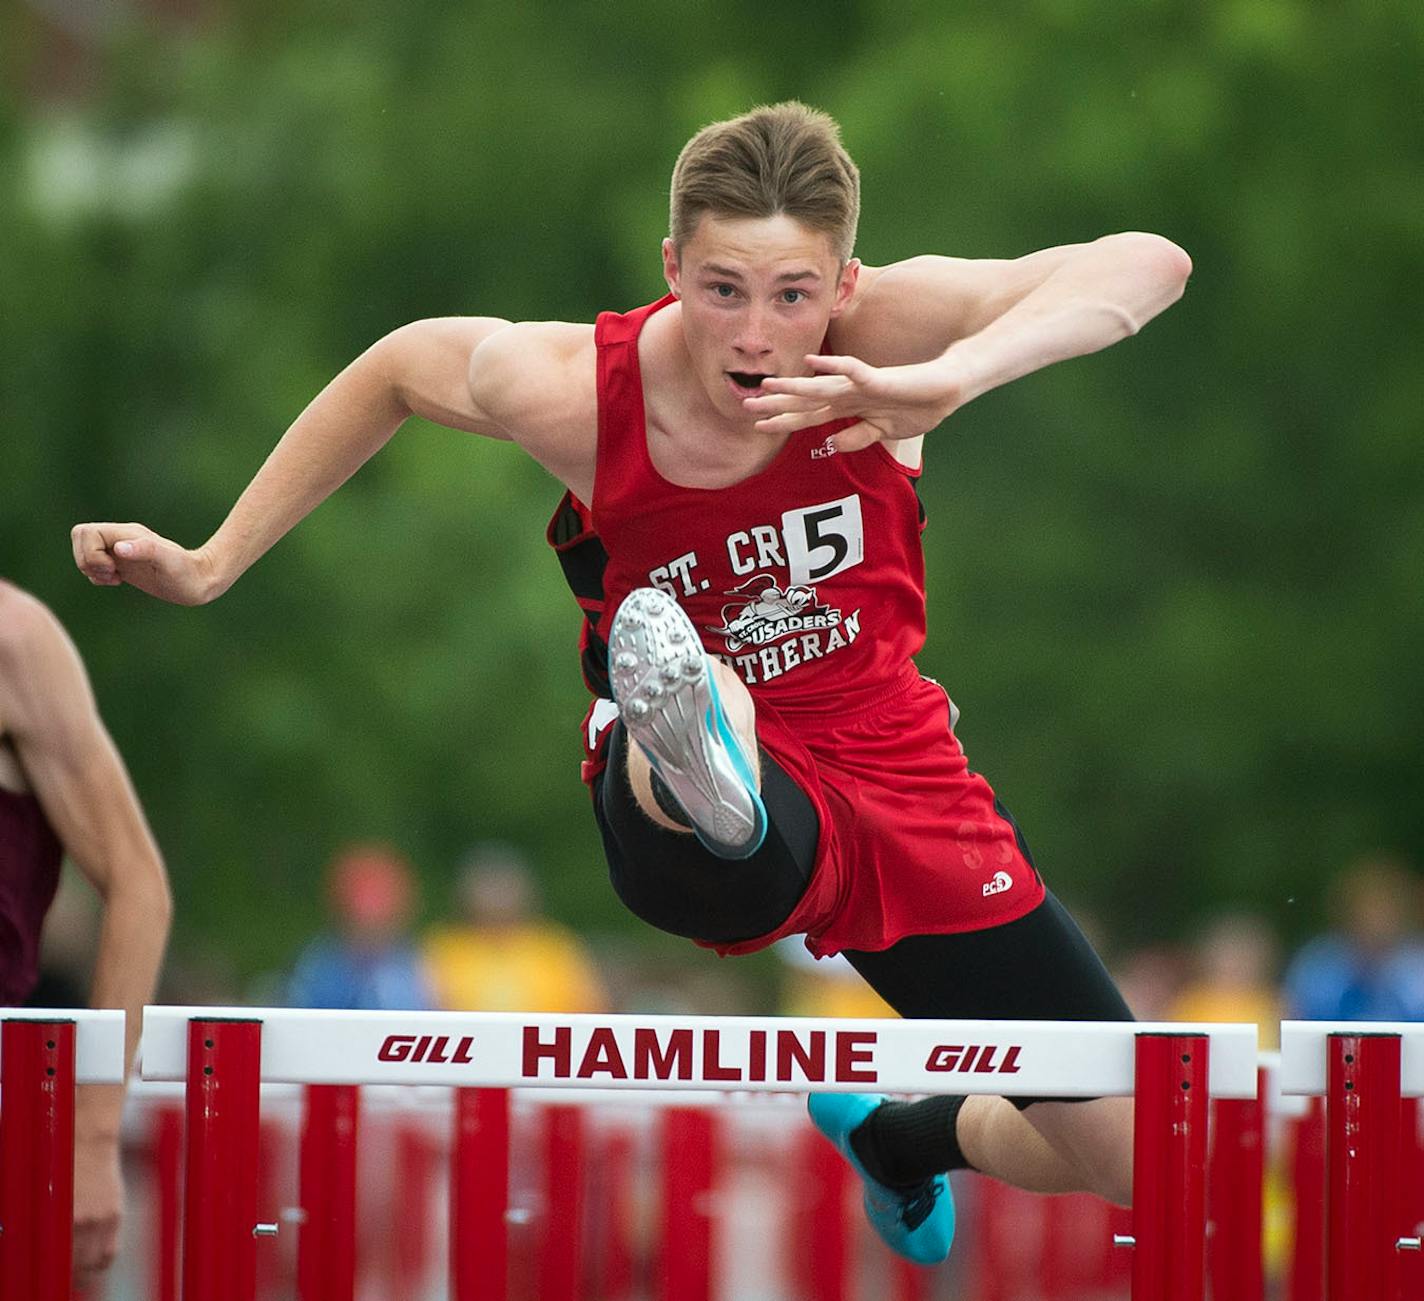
1261,1007
808,994
535,966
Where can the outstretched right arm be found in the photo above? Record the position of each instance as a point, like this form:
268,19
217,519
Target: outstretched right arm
420,369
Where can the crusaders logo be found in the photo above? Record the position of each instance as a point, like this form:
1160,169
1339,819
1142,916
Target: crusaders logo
764,612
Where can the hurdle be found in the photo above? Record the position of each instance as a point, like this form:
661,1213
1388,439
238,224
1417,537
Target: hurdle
222,1055
1366,1072
43,1055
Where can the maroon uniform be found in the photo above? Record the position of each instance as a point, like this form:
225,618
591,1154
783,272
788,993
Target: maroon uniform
808,579
30,856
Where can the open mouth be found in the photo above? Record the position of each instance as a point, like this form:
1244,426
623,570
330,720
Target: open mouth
746,379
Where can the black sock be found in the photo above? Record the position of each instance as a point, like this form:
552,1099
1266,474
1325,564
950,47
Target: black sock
901,1144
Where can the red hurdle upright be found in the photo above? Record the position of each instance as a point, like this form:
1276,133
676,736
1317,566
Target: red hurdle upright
1362,1138
37,1074
1369,1218
479,1196
220,1227
166,1173
326,1246
1237,1178
1169,1168
690,1169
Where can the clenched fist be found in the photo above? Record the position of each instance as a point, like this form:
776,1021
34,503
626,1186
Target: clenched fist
110,555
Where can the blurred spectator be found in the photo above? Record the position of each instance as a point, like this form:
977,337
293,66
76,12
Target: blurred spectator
1232,977
1372,967
367,960
1150,979
828,987
503,955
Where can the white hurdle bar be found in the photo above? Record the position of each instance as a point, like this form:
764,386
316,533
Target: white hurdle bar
44,1053
1363,1070
224,1053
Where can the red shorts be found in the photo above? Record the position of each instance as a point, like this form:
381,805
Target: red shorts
911,842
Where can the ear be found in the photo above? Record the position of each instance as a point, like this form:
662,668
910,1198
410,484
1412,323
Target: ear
671,271
845,286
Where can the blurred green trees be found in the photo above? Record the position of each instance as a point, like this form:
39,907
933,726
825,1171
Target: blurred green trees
1175,588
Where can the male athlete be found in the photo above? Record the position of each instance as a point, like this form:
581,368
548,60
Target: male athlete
64,791
741,529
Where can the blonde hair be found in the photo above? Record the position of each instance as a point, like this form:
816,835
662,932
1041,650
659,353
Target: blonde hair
779,158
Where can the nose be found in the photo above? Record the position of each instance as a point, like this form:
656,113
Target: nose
753,339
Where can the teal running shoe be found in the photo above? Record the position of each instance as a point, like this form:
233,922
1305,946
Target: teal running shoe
667,699
918,1223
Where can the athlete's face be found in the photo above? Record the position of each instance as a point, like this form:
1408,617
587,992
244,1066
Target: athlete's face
757,294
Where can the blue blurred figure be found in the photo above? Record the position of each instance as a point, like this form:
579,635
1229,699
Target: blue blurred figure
366,960
1372,967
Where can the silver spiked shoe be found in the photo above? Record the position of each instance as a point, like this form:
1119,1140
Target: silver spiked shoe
668,701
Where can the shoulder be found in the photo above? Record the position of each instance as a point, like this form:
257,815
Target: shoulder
23,618
537,381
911,311
531,365
30,635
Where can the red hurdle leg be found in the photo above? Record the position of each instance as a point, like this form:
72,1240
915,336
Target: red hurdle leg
326,1246
689,1170
1411,1262
1307,1265
911,1282
561,1236
36,1159
479,1196
415,1169
616,1267
273,1267
166,1173
1169,1168
820,1231
1237,1180
220,1194
1362,1136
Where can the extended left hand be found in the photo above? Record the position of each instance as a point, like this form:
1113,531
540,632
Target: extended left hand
890,402
98,1207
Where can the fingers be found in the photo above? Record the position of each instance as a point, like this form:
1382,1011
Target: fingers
100,550
775,404
815,387
852,368
790,421
90,543
858,436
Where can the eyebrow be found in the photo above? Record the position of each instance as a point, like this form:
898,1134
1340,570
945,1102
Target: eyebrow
716,269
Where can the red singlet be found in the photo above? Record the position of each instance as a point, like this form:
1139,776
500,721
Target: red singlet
30,855
808,579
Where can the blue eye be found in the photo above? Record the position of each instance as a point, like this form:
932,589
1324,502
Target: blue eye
792,296
723,291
